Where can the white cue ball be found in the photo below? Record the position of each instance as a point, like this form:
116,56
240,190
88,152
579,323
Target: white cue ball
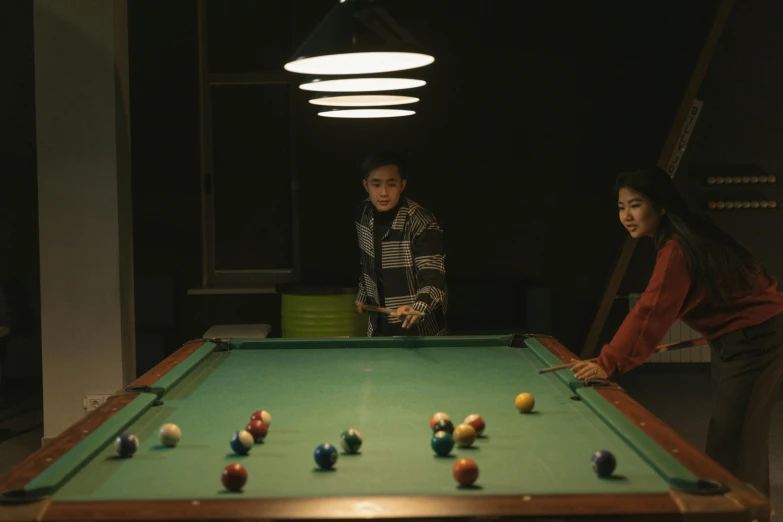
169,435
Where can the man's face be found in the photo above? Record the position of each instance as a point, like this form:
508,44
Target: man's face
384,186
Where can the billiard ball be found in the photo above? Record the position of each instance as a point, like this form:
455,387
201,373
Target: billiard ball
444,425
524,402
234,477
241,442
437,417
169,435
258,430
126,444
442,443
603,463
325,455
464,435
264,416
351,440
465,472
475,420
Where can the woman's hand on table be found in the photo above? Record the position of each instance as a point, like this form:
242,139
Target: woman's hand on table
584,370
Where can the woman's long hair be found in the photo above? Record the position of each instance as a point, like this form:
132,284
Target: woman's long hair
717,262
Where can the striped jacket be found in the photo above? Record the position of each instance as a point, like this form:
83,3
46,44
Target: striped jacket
414,273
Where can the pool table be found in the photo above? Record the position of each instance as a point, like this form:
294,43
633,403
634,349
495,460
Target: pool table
532,465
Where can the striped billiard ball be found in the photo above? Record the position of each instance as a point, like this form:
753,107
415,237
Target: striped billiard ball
264,416
351,440
241,442
475,420
442,443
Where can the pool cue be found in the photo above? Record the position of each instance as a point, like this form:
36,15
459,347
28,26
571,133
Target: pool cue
372,308
659,349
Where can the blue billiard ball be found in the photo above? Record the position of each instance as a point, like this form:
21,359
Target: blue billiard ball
442,443
325,455
241,442
603,463
126,444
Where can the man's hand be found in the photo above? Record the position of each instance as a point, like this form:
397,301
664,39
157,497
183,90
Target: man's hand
588,370
359,306
410,313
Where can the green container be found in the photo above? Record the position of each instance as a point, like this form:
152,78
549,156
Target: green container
311,312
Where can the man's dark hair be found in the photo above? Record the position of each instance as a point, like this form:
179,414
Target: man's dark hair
381,158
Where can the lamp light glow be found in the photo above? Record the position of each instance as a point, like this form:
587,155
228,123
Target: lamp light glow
359,63
366,113
362,85
369,100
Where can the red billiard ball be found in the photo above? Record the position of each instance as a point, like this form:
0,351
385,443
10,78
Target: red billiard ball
465,472
234,477
475,420
258,430
264,416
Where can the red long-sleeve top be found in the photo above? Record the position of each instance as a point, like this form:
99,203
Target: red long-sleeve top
671,294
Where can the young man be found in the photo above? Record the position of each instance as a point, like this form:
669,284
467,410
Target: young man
401,255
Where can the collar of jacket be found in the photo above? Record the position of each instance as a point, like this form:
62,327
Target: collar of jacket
399,219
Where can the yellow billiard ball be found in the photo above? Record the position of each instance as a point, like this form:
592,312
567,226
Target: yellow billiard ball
464,435
524,402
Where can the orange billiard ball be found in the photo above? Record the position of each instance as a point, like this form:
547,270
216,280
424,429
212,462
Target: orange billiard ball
465,472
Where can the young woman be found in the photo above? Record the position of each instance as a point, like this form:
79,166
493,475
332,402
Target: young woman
714,285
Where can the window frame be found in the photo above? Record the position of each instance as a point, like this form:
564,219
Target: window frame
249,279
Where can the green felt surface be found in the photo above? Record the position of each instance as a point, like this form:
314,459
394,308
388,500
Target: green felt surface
387,390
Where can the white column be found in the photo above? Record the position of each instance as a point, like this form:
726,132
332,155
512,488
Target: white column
84,199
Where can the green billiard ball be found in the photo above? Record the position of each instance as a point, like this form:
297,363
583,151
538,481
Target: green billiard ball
351,441
442,443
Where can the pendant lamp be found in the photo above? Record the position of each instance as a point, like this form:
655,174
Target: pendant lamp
358,37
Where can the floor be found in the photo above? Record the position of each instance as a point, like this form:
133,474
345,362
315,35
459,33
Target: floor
677,394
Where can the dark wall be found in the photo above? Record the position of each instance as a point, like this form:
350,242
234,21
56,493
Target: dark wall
738,133
18,183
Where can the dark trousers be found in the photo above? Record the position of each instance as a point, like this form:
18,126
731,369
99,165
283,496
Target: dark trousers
747,371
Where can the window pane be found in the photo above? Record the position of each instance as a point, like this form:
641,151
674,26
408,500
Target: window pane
252,177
